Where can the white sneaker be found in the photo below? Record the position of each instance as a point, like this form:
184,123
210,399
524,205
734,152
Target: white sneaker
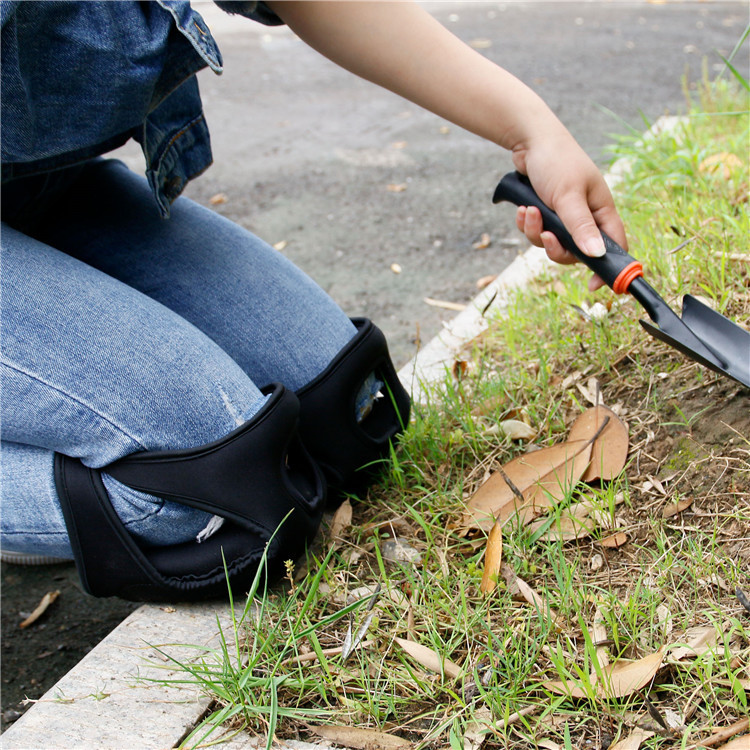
29,558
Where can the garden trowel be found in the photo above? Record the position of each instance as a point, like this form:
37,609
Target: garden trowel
701,333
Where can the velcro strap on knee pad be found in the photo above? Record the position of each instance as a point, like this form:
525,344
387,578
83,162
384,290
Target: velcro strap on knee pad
259,478
348,451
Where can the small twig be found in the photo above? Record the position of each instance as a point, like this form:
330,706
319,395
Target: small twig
513,488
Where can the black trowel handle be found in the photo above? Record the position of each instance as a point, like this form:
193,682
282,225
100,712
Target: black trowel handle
615,267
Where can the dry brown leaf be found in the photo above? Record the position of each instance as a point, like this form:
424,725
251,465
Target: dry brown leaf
633,741
599,635
697,641
614,540
358,737
484,242
341,521
610,449
218,199
620,679
536,600
484,281
574,523
515,429
41,608
672,509
738,743
428,658
624,678
493,558
721,164
543,477
493,403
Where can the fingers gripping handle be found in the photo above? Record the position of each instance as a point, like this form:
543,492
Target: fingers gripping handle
615,267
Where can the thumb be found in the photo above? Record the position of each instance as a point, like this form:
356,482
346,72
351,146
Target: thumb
578,219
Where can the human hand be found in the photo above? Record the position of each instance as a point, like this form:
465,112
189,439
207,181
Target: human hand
568,181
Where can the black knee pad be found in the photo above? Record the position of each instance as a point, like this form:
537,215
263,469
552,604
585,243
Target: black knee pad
351,453
259,478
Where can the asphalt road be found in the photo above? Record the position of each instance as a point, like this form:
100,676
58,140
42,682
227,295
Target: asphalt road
304,154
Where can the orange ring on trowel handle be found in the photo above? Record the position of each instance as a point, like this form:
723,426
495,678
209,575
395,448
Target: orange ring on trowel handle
626,276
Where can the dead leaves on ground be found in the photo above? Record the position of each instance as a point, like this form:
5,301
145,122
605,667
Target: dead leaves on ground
530,484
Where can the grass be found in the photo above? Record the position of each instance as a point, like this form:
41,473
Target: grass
280,671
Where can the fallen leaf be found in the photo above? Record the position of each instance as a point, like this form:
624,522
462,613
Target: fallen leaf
493,558
484,281
738,743
515,429
477,729
697,641
41,608
543,477
614,540
429,659
280,245
599,635
397,550
672,509
396,187
720,165
341,521
218,199
360,738
573,523
536,600
592,390
489,405
609,451
619,679
633,741
483,243
625,677
459,369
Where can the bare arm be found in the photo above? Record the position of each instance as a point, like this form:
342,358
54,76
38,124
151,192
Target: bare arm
399,46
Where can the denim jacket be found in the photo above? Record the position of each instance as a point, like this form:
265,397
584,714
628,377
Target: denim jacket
81,78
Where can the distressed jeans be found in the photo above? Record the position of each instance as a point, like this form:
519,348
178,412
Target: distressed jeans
124,332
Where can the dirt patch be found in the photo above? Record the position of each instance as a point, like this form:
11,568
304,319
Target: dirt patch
36,657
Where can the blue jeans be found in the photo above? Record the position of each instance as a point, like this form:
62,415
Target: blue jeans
123,332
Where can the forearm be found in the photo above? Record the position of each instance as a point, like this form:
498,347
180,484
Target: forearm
399,46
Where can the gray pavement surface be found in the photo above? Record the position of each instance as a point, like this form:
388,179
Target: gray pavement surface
305,154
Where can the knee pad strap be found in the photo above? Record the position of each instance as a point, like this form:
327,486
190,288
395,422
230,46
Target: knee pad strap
348,451
259,478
